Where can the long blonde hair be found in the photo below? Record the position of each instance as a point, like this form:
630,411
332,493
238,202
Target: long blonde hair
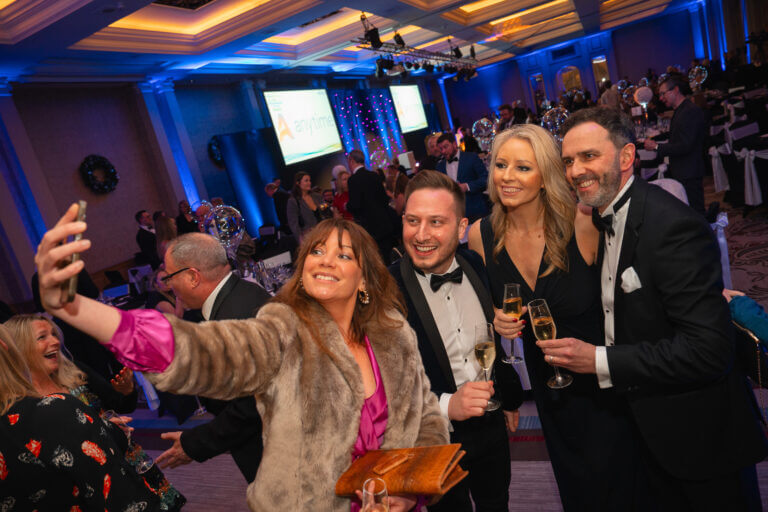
68,375
14,374
559,205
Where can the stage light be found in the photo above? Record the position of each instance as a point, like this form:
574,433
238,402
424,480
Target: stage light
399,41
429,67
416,65
472,73
457,53
387,64
472,52
371,33
379,68
408,65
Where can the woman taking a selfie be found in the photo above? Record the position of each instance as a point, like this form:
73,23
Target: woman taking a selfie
334,364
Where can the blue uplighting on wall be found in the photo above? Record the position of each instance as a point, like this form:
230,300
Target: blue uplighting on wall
24,200
721,29
185,175
441,83
746,29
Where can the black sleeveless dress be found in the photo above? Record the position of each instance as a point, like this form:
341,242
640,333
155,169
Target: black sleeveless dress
585,428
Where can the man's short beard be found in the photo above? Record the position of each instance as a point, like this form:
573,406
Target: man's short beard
608,186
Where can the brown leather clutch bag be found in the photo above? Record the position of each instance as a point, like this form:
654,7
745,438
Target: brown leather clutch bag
423,471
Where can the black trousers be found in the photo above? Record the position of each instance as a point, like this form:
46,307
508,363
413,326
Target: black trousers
694,189
737,491
486,442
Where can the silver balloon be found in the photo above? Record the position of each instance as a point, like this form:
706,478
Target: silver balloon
643,82
643,95
484,131
621,85
629,95
379,158
226,225
553,121
697,75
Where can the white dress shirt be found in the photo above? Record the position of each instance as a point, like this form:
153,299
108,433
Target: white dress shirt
147,228
211,299
452,168
456,310
611,252
361,166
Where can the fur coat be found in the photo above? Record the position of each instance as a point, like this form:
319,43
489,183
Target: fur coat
310,401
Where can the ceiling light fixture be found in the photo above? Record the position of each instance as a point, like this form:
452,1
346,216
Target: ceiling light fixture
371,32
399,41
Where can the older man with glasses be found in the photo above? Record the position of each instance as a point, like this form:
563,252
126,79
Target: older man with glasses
687,135
200,276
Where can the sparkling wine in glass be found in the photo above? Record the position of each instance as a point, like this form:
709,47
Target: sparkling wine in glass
485,353
375,497
512,305
544,329
200,407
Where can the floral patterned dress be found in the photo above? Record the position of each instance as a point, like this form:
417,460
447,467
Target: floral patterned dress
56,454
170,498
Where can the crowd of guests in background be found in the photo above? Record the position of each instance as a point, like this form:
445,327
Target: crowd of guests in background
379,316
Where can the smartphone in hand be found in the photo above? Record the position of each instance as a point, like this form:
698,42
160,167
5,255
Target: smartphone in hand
69,287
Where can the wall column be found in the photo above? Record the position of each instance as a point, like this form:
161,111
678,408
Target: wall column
694,11
176,151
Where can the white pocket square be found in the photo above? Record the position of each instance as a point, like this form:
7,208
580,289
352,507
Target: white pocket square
629,280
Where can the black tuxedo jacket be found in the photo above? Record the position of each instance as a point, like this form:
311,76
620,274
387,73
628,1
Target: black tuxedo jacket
473,172
369,204
687,135
237,425
148,247
674,351
433,353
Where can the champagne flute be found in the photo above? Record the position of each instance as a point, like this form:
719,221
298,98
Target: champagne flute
512,306
485,352
375,497
544,329
200,407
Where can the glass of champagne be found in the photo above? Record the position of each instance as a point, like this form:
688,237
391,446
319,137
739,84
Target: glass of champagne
512,306
544,329
375,497
485,353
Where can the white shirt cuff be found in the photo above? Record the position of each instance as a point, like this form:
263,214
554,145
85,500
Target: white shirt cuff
444,399
601,368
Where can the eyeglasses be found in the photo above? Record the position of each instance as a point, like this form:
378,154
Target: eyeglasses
662,93
169,276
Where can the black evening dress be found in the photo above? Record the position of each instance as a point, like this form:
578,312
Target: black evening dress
585,428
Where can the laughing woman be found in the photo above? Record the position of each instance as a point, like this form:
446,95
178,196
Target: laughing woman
332,360
39,341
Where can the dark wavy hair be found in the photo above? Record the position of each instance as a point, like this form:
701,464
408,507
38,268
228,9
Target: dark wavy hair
296,190
383,291
618,124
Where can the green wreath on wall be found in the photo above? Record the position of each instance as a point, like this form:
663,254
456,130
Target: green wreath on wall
99,174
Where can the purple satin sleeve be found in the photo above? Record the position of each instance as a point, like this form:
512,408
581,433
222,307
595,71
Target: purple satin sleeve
143,340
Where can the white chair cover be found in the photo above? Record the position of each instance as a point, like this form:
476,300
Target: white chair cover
752,194
718,171
744,131
719,228
674,187
141,278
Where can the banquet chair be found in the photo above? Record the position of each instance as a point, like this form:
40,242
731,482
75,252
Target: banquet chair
674,187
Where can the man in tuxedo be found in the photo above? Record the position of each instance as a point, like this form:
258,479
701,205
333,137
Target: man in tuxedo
687,135
200,276
446,294
669,349
146,239
505,117
280,197
468,171
369,203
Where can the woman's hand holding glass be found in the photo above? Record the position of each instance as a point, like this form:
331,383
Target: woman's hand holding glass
508,326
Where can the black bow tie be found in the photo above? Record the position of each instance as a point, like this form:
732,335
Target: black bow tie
437,280
454,159
604,223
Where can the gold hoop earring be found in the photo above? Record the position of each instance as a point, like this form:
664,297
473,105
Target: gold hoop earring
364,297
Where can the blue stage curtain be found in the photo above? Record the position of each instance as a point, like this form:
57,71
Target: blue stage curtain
365,116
